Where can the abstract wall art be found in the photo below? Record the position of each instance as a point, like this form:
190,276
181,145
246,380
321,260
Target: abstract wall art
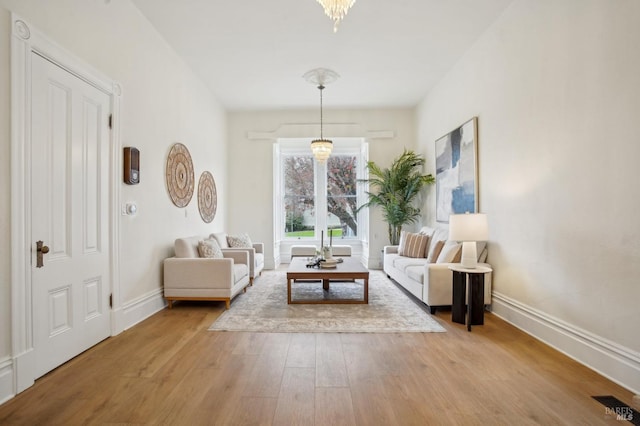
457,171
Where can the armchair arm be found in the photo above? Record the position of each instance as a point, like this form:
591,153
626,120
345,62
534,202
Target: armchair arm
259,247
239,255
249,252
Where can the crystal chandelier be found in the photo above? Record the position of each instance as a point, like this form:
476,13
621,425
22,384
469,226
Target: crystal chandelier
336,10
322,147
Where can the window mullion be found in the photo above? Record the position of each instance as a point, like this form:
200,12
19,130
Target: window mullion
321,198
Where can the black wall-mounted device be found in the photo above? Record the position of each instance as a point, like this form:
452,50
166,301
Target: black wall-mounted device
131,165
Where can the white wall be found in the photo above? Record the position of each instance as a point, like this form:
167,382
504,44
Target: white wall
555,87
251,177
162,103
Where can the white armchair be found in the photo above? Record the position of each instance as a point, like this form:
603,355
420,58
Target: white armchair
256,254
187,276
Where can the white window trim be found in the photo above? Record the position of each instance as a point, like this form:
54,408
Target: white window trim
300,146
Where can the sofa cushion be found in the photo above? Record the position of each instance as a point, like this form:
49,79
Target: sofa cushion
435,251
412,245
259,258
221,238
239,241
402,262
416,273
481,247
210,249
449,252
187,247
240,270
436,235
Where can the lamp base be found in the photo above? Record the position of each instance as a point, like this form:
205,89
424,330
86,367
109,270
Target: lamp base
469,255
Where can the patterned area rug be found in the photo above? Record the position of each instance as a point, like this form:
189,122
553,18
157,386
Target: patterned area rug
264,308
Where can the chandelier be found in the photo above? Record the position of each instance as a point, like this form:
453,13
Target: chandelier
336,10
322,147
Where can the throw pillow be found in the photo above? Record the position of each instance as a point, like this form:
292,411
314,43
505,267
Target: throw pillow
449,251
239,241
221,238
435,252
401,243
412,245
210,249
458,257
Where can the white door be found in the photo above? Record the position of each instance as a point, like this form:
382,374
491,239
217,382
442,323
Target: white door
70,214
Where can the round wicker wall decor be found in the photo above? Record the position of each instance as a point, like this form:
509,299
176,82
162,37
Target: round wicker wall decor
180,178
207,197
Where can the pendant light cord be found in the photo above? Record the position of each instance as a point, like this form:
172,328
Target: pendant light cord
321,87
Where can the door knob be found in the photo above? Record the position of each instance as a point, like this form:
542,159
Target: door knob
40,250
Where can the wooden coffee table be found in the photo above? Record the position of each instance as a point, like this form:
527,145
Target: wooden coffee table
350,269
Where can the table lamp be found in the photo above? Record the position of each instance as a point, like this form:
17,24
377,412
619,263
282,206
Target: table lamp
468,228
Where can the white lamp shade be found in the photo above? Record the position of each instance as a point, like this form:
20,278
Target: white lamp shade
468,227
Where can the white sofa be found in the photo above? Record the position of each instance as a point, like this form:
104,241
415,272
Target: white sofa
187,276
256,254
431,282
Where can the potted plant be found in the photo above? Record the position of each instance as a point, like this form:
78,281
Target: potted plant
395,190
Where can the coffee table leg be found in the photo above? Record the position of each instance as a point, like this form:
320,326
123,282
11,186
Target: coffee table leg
325,285
288,291
366,290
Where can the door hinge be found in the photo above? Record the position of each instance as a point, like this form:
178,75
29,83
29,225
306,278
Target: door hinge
111,301
111,121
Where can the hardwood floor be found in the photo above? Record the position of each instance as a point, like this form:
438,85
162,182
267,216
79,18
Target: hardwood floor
170,370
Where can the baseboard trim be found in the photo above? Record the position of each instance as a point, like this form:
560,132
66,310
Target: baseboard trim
616,362
141,308
6,380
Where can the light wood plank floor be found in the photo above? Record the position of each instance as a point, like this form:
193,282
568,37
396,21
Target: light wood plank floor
170,370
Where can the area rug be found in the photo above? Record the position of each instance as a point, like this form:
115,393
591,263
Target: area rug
264,308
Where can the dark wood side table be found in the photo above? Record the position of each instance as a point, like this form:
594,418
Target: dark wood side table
468,287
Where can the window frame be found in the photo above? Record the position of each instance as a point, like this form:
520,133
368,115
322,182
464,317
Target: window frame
286,147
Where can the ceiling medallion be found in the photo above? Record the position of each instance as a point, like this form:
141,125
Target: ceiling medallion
322,147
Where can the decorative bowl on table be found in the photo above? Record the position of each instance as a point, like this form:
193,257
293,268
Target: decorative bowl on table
329,263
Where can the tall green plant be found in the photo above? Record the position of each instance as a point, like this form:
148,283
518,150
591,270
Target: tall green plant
395,189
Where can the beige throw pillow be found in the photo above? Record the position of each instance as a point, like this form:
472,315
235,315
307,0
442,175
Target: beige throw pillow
450,251
209,249
435,252
239,241
412,245
221,238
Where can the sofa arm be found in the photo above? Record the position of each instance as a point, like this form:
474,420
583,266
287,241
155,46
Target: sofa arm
438,284
258,247
391,249
197,272
439,272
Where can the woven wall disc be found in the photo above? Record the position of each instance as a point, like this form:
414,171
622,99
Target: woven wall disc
207,197
180,178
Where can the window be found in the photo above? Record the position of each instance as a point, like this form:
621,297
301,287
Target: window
319,197
342,199
299,195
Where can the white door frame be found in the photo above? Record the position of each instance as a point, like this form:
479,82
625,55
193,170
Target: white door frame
25,40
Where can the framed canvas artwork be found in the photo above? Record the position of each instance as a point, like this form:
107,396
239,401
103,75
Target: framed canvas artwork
457,171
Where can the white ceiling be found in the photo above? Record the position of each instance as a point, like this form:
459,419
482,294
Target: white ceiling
253,53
